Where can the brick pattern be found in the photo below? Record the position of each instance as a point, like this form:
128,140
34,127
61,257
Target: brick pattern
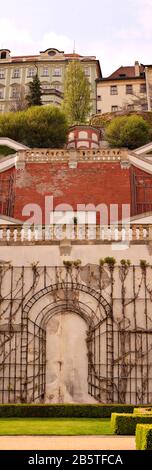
94,183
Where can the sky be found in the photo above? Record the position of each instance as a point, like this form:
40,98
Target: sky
117,32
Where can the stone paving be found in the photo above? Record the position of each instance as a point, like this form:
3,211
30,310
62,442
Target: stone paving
67,443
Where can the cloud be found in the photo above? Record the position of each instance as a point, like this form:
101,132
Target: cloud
14,36
20,40
143,16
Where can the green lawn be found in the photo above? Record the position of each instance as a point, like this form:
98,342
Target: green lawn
54,426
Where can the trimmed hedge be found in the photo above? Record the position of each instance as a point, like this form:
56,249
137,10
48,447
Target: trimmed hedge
144,437
125,424
142,410
63,411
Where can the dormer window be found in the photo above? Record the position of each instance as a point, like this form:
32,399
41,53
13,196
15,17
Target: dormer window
4,53
52,52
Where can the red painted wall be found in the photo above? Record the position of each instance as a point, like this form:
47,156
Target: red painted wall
96,183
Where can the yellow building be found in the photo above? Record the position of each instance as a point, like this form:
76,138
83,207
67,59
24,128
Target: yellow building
125,89
17,72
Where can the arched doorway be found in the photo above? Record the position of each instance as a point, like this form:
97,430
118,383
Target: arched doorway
57,321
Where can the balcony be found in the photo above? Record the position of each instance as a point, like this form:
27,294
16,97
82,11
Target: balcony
88,234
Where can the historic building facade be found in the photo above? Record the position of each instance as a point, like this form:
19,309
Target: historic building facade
17,72
126,89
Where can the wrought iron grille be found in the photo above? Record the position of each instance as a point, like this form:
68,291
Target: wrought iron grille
119,329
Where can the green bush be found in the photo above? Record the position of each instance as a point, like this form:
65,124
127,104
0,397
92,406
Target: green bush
63,411
128,131
144,437
38,126
125,424
4,150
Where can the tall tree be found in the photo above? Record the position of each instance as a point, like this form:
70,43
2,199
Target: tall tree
77,94
34,95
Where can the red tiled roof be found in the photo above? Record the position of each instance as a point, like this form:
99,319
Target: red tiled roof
128,72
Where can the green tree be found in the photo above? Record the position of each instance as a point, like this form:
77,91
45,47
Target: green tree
38,126
34,96
76,94
128,131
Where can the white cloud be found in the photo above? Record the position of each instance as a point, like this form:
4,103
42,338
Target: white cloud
14,37
143,17
60,42
20,41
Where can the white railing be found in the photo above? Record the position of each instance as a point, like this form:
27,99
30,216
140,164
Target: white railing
18,234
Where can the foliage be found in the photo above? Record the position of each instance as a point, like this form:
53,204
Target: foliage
63,411
110,260
67,263
144,437
125,262
38,126
125,424
128,131
102,120
34,95
76,94
101,261
4,150
143,264
77,263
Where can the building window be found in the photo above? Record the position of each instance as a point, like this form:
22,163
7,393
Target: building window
2,74
99,97
144,107
31,72
129,89
15,93
45,72
114,108
57,72
99,111
1,94
87,71
114,90
143,88
130,107
16,73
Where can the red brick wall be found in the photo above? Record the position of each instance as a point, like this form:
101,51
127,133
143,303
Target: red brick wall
141,189
94,183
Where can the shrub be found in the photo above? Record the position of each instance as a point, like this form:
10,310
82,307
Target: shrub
61,411
144,437
125,424
38,126
128,131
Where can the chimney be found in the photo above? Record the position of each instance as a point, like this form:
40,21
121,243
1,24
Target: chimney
137,69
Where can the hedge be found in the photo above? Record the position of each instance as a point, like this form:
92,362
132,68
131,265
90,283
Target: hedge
63,411
144,437
125,424
143,410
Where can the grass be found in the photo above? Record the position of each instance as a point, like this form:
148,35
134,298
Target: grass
4,150
54,426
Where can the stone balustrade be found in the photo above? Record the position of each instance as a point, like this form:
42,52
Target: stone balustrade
23,234
48,155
